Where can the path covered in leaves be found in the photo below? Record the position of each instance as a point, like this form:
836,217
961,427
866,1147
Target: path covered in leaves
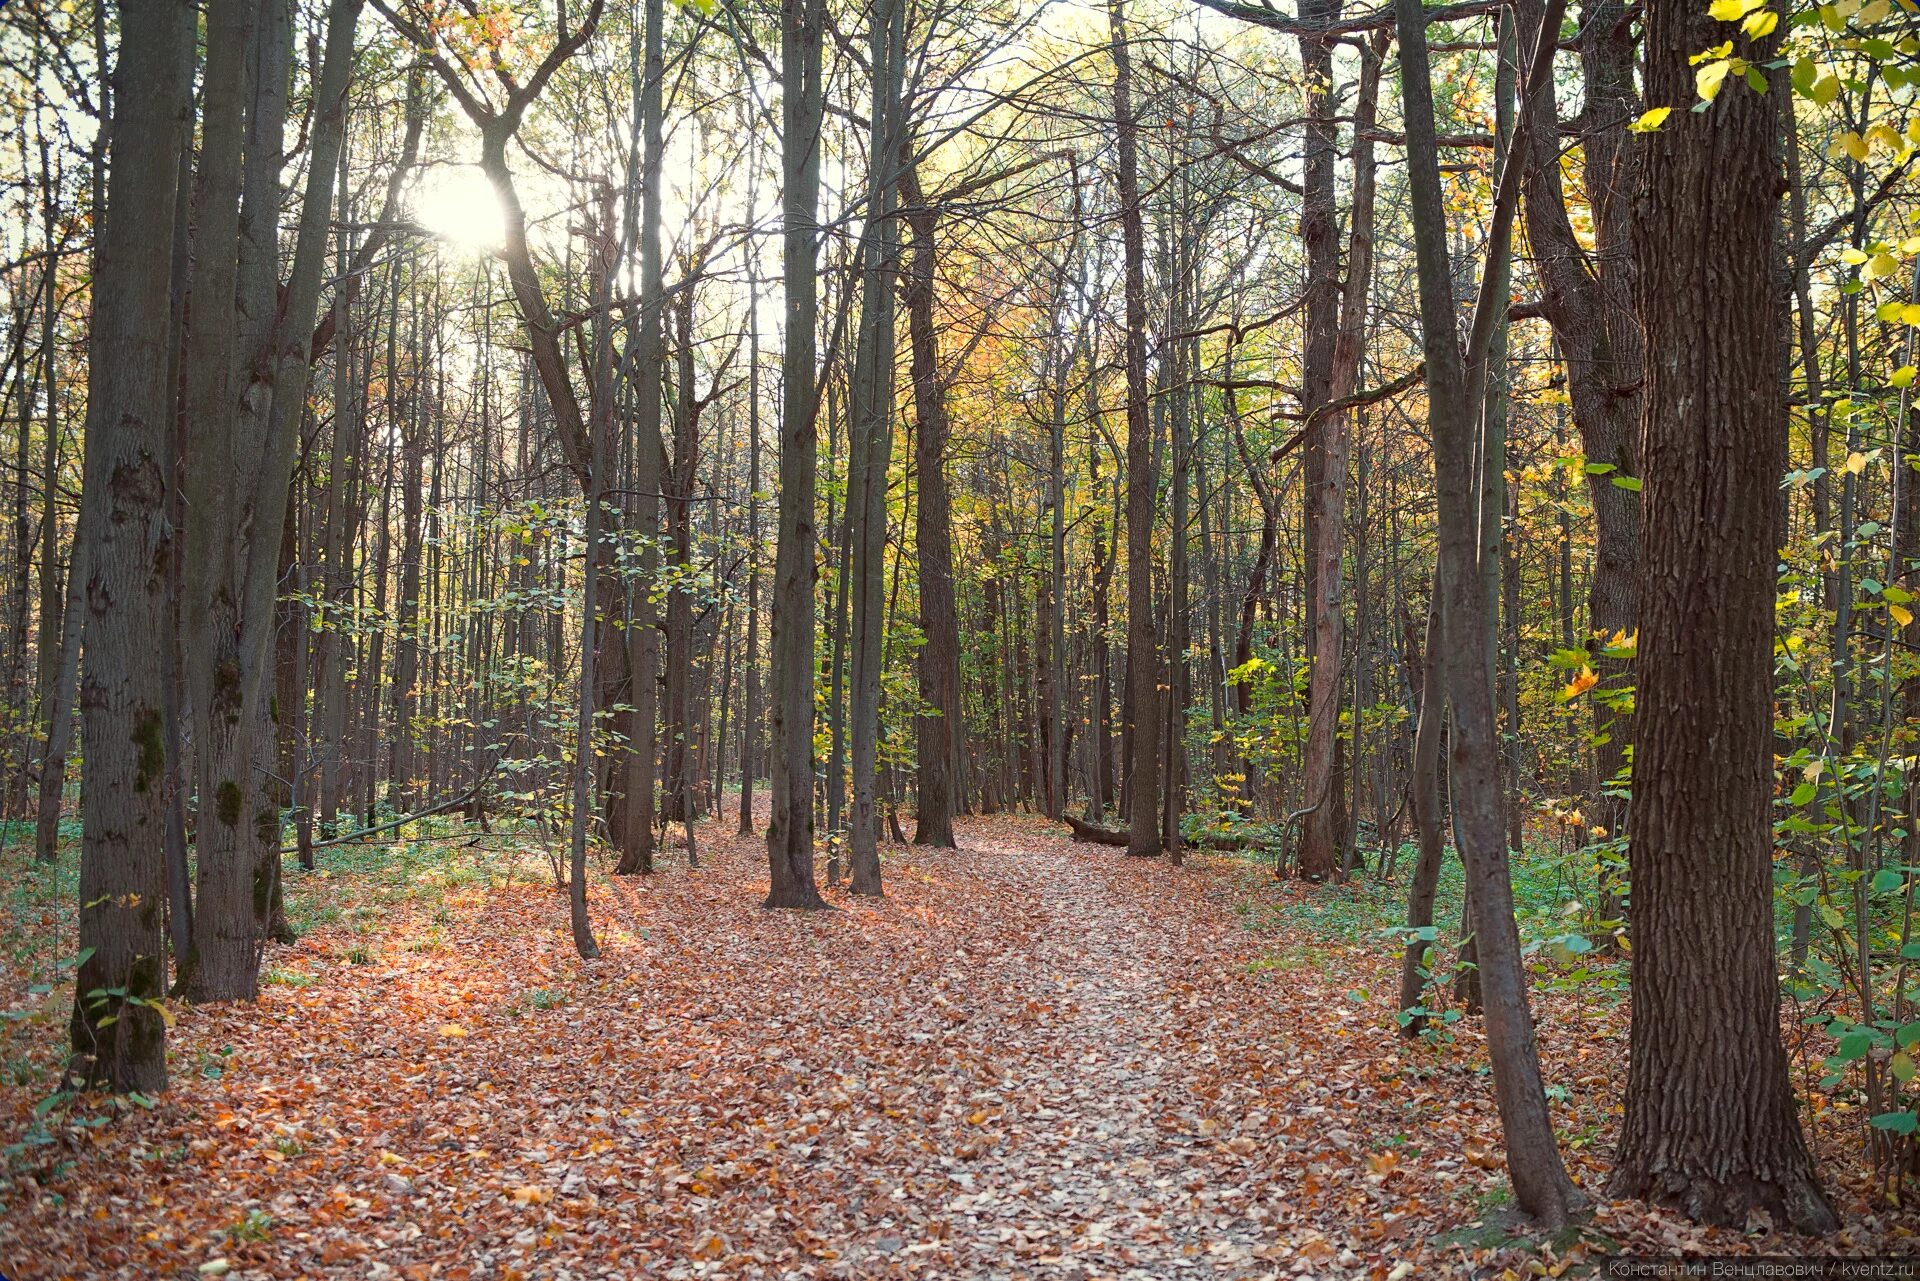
1032,1059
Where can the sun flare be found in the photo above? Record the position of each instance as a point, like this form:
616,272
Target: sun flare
458,205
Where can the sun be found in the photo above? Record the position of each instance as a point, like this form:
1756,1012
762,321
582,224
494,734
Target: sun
458,205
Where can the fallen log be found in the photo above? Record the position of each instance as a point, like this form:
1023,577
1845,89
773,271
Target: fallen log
1090,834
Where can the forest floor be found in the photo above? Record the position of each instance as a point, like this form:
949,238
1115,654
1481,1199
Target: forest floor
1032,1059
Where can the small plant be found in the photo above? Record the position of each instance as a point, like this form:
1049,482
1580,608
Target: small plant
359,954
255,1225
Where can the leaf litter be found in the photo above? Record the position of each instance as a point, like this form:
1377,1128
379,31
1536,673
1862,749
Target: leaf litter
1031,1060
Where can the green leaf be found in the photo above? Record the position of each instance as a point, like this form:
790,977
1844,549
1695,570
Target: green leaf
1898,1122
1886,881
1629,483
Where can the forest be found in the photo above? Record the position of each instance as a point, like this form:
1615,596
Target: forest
958,638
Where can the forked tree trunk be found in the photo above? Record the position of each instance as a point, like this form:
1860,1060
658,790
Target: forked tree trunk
790,826
871,433
643,512
1710,1124
238,866
1454,385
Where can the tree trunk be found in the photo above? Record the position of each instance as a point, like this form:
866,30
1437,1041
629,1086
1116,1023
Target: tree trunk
1710,1124
1454,385
648,354
939,728
1143,652
120,1042
871,432
790,827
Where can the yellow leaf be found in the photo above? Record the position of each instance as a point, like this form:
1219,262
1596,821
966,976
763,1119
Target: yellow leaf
1879,265
531,1194
1901,614
1580,684
1910,313
1708,79
1874,12
1856,463
1884,136
1903,376
1760,25
452,1029
1726,10
1651,120
1848,144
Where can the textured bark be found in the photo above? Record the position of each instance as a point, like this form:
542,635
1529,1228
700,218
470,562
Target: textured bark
1586,296
1710,1125
127,544
1423,782
239,860
1455,384
212,596
1327,446
939,660
647,354
790,827
1143,642
871,432
678,718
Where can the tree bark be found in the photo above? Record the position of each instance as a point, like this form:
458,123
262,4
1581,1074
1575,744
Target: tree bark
1455,382
119,1042
939,729
1143,644
790,827
1710,1125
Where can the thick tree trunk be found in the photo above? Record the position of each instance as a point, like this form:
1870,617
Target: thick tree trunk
647,354
790,827
1327,445
939,729
120,1042
239,852
1710,1124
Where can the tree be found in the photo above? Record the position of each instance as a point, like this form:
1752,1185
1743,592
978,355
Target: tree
1456,382
119,1039
790,826
1710,1124
1143,642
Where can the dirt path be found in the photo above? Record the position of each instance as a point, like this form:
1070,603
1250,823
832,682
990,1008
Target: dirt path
1033,1059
